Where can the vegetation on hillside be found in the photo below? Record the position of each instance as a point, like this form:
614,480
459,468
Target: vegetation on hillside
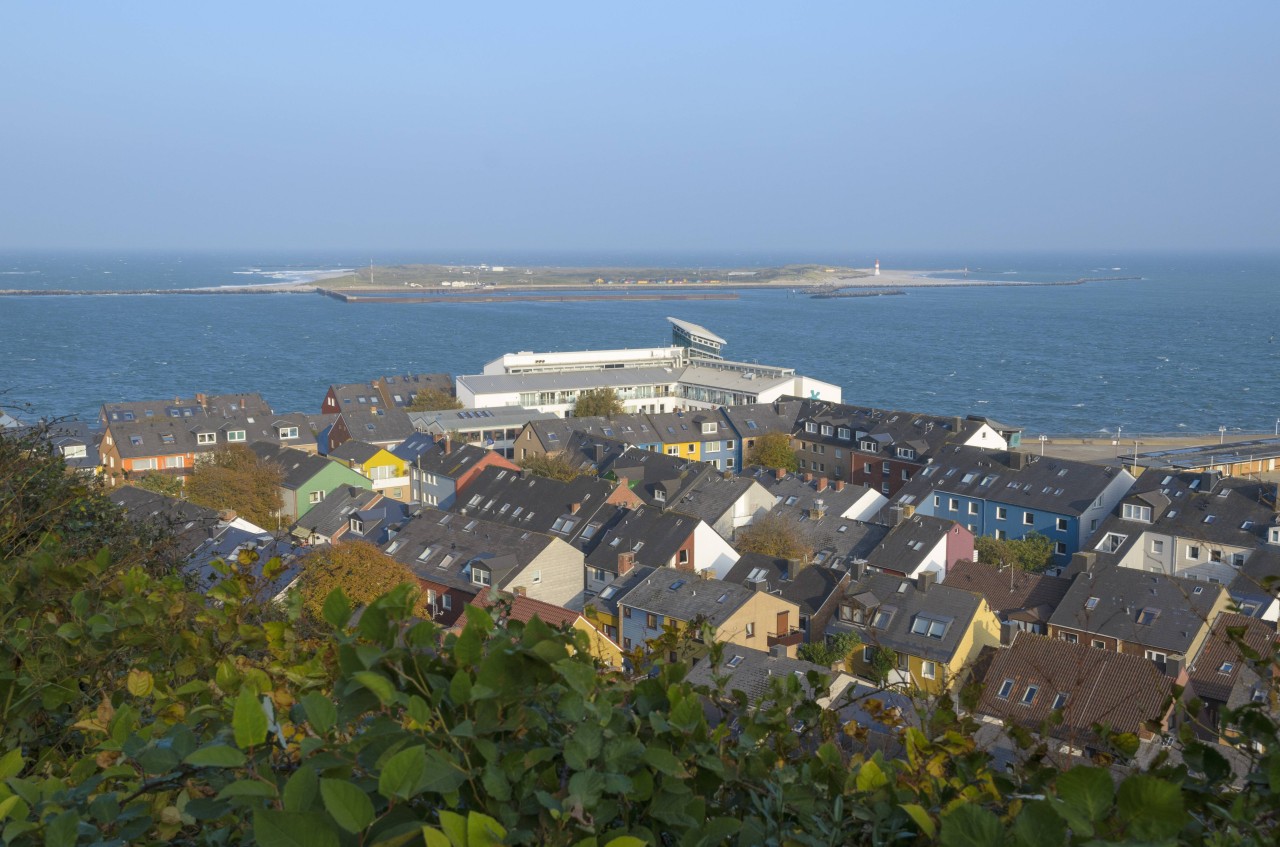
233,477
773,450
161,483
133,711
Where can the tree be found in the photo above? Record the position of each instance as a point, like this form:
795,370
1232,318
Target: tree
233,477
160,483
554,466
433,400
773,535
773,450
598,403
833,649
360,569
883,661
1033,553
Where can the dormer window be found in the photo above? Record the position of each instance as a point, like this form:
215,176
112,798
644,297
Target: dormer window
869,446
481,576
357,525
810,426
286,432
235,435
659,495
1273,535
709,428
1134,512
206,437
843,433
827,429
906,453
1111,542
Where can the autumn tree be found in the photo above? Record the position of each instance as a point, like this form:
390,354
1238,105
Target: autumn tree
598,403
233,477
359,568
433,400
554,467
773,450
773,535
1033,552
160,483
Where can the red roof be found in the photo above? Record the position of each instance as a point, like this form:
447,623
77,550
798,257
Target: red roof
523,609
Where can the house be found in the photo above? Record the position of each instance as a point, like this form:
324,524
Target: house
493,429
182,526
756,672
1021,600
524,609
1009,495
377,522
394,391
388,472
1255,587
1162,618
551,436
1195,525
935,632
385,426
456,557
1043,684
658,539
827,516
702,436
74,441
752,420
328,520
579,511
308,479
439,474
815,590
1223,677
201,405
881,448
736,614
921,543
724,502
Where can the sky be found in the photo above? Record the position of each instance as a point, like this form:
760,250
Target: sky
641,126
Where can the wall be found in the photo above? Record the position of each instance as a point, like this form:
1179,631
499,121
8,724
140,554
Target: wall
762,611
560,567
711,552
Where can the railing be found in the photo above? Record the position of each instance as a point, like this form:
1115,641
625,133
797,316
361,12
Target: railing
791,638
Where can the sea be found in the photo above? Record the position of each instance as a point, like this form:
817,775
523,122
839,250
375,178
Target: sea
1187,348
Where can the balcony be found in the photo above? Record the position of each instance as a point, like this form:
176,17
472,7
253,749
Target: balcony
791,638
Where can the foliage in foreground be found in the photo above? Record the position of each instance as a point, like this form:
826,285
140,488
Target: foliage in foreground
135,712
360,569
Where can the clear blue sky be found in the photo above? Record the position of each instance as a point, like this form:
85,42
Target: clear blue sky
651,126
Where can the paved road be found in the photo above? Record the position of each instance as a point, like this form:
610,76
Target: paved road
1102,451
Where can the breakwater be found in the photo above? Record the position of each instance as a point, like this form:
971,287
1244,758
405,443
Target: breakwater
363,296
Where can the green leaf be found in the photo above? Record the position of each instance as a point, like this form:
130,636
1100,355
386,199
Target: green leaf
378,684
627,841
62,830
663,760
968,825
301,789
292,829
350,807
922,819
870,776
216,756
466,650
7,805
321,713
402,773
11,764
1088,791
249,721
455,827
435,838
337,609
1038,826
247,788
441,775
1151,808
483,831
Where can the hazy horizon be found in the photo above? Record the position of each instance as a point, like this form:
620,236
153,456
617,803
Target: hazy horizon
665,129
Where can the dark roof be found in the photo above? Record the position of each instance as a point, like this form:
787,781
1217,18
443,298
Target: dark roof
335,510
891,430
191,525
1009,591
1258,582
1220,666
1172,609
555,433
68,438
299,467
809,587
1208,455
230,543
1117,690
658,534
713,495
454,547
452,464
907,544
356,451
414,446
835,540
753,419
386,424
1020,480
208,405
753,672
683,596
531,502
952,608
406,386
607,600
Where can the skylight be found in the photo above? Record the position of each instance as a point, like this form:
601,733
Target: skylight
677,585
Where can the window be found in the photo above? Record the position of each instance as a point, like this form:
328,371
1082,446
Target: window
927,626
1001,535
357,525
1148,615
1193,553
1062,524
144,464
598,574
868,654
953,504
1006,688
1001,513
426,554
937,501
1156,656
1134,512
537,577
1060,548
810,426
1225,667
1157,546
728,445
882,618
1028,518
206,437
235,435
1069,637
1099,644
1215,555
751,630
1029,696
973,508
827,429
1091,603
846,613
929,670
481,576
626,611
1111,542
315,497
884,468
166,438
1060,700
651,621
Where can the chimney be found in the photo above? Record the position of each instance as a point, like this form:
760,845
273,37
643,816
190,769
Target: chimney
822,483
1083,561
794,566
574,507
778,651
808,477
839,485
780,473
819,510
448,444
895,515
855,571
525,473
1017,460
908,511
598,452
227,515
520,591
1173,667
956,423
924,579
626,561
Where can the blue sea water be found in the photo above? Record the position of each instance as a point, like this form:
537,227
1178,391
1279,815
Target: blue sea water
1188,348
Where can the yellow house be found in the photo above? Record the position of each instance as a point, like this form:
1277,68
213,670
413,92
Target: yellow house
922,636
657,601
698,435
389,472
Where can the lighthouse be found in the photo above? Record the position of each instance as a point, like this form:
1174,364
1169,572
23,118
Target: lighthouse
877,267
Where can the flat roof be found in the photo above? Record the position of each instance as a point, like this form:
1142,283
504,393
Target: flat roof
1215,454
569,380
695,329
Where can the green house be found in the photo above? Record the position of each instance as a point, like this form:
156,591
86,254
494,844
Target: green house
308,479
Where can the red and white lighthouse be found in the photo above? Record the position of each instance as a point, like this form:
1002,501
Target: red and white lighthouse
877,267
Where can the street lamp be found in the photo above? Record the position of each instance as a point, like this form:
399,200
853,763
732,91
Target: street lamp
1043,439
1222,435
1278,426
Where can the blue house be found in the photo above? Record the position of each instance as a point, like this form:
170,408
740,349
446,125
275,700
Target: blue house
1010,495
